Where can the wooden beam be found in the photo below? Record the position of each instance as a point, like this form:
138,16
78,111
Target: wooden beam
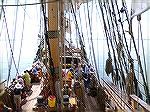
136,100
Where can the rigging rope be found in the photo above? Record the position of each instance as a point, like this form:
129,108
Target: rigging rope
2,2
51,64
9,45
105,27
14,34
108,36
99,18
70,42
138,57
140,35
87,31
82,34
21,38
78,31
10,64
119,45
92,33
140,31
127,68
41,39
2,27
91,38
126,48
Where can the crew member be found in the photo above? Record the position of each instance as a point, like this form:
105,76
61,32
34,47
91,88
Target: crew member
17,96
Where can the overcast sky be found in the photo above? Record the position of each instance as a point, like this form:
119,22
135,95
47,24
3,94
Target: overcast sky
28,36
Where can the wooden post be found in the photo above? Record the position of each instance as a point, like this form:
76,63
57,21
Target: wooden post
137,102
134,104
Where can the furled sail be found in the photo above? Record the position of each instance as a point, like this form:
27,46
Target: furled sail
139,6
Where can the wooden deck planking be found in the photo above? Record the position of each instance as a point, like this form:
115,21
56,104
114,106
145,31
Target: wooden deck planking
91,105
32,99
89,102
137,101
120,99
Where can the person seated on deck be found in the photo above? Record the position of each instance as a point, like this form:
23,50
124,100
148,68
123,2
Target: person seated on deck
20,80
4,108
35,70
40,74
35,77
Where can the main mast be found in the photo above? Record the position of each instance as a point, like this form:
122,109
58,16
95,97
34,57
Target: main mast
52,41
55,35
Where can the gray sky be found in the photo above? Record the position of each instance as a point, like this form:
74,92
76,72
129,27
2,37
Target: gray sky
15,21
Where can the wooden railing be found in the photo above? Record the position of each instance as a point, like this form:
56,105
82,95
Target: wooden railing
127,104
139,104
118,97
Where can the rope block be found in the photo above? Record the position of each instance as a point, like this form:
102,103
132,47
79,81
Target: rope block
108,67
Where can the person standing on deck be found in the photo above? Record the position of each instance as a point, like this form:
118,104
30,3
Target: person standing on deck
70,74
85,75
44,70
17,96
27,79
78,72
86,80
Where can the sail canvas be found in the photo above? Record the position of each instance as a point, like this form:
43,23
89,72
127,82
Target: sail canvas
139,6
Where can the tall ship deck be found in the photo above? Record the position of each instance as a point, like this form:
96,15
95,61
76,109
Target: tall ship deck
87,56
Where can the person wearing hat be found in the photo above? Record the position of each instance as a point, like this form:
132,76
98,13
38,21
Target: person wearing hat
66,89
17,96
